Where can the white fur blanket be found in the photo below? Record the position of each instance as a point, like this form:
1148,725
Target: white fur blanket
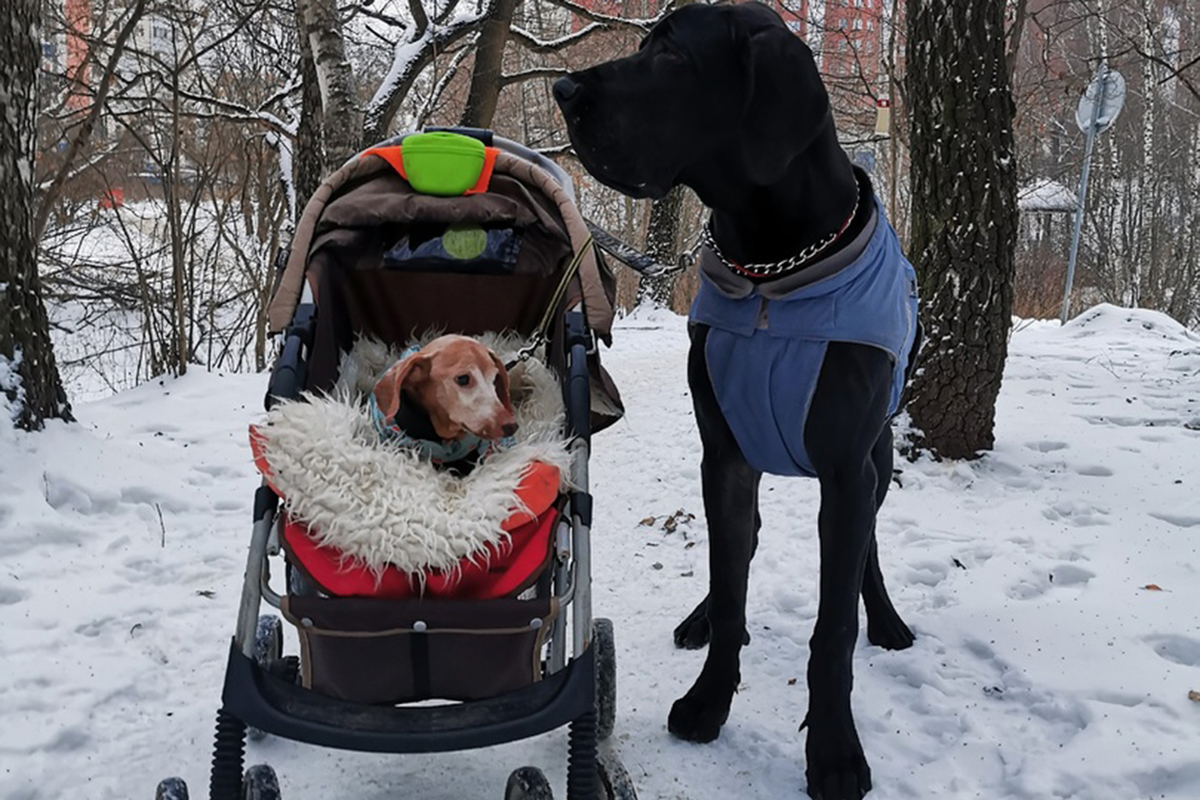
381,505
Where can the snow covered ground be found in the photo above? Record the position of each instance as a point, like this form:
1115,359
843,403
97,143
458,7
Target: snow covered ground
1044,667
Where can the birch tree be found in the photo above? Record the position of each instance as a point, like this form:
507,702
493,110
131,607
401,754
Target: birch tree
29,375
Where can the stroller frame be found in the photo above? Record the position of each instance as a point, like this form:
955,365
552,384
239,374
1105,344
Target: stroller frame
260,693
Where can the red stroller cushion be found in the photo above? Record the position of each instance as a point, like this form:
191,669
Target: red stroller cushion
501,571
497,570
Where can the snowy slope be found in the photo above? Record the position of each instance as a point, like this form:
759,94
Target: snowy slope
1043,668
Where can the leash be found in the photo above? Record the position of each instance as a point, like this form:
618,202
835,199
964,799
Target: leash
539,337
635,259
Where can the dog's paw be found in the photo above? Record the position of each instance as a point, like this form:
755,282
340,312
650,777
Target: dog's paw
890,633
697,717
694,632
835,767
849,783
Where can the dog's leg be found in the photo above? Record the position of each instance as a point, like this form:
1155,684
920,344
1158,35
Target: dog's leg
844,422
694,632
730,486
885,628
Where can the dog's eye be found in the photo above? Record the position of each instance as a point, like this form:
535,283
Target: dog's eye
463,380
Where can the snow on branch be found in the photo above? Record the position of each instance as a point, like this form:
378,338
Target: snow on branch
641,25
241,113
435,94
536,45
530,74
410,55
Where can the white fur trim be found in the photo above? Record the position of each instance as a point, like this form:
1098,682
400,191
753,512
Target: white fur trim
380,504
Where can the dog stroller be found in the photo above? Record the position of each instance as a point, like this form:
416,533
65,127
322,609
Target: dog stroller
404,240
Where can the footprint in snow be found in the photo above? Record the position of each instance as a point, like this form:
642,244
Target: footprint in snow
11,595
1178,520
1047,446
1177,649
1061,576
1080,514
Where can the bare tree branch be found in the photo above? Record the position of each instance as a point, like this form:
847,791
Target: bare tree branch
530,74
639,25
84,134
536,45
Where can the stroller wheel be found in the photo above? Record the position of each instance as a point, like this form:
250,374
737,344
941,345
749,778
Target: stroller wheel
171,789
268,640
287,668
260,783
268,650
606,677
528,783
615,783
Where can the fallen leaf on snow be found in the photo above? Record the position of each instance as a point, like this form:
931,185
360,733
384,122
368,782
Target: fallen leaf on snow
1194,696
1154,587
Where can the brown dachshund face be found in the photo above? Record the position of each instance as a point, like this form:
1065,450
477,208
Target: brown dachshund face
461,384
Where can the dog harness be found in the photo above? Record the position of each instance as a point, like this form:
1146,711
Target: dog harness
767,341
439,451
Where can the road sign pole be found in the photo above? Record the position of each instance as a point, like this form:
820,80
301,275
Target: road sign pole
1083,185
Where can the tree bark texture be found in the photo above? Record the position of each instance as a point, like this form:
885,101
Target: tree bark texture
662,244
964,217
484,94
341,115
308,156
662,239
28,373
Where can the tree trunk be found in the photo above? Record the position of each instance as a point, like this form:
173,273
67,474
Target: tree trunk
308,156
28,373
489,63
341,116
662,240
964,217
662,244
172,185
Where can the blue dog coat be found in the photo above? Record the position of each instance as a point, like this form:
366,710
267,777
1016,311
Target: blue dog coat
767,341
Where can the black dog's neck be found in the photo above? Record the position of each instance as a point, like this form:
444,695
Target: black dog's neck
756,224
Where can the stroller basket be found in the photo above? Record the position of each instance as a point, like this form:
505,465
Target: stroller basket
388,651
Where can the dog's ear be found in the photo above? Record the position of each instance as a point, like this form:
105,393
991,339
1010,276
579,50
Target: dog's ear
405,372
788,104
502,382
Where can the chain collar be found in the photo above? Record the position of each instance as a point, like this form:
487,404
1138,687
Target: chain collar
778,267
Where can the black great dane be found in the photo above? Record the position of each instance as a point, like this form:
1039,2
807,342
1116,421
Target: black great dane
801,333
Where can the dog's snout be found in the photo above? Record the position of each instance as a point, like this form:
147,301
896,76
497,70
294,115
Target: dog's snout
566,90
509,429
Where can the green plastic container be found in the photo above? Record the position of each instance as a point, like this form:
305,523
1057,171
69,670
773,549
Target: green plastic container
442,163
